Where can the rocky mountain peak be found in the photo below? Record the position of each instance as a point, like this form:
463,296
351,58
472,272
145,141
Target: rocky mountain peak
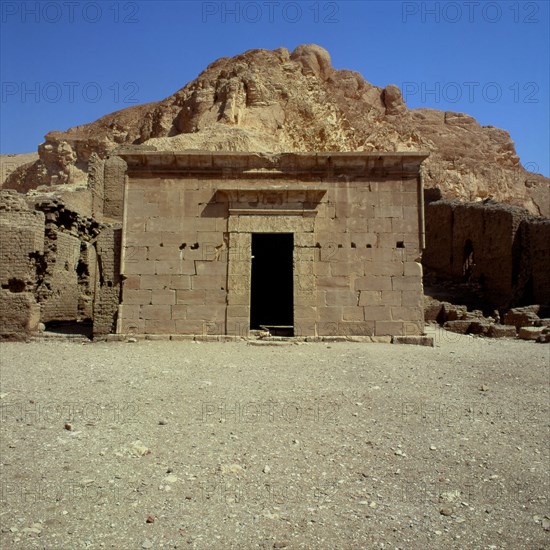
275,101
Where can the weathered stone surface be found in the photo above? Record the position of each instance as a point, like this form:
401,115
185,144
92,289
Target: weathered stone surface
414,340
460,326
502,331
454,312
56,256
8,163
19,313
277,101
481,327
522,317
529,333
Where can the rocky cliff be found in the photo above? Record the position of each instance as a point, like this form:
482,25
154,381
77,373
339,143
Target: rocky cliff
272,101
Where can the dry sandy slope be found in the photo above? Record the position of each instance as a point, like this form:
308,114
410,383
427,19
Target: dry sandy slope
365,445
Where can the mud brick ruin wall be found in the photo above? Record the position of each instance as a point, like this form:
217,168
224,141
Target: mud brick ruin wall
21,244
501,247
66,285
533,273
96,185
48,263
107,281
60,301
189,218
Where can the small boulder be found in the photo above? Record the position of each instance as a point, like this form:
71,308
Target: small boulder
433,310
502,331
460,326
314,60
454,313
522,317
480,326
393,100
530,333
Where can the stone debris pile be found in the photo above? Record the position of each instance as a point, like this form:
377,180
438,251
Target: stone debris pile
527,322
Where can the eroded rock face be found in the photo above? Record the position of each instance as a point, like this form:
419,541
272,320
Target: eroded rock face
275,101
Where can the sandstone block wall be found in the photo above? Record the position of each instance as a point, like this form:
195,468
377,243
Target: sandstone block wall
368,279
187,233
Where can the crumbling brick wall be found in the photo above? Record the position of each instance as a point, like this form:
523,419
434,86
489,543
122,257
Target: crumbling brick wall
498,247
534,286
50,258
65,286
106,183
96,184
59,295
19,314
107,280
113,183
21,247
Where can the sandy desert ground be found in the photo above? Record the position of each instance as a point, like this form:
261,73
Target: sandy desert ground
311,445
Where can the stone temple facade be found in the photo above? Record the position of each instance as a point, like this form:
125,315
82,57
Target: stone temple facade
312,244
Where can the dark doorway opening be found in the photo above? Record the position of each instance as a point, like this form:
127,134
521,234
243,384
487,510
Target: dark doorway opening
71,328
271,300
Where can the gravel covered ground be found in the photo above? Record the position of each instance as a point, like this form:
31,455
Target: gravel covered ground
311,445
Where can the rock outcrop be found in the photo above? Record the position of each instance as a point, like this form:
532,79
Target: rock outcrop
276,101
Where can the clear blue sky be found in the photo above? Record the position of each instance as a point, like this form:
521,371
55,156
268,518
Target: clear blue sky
65,63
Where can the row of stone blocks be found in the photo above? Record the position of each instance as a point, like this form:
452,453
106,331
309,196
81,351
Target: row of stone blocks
240,327
419,340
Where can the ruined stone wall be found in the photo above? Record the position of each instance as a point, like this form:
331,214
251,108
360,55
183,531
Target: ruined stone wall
60,295
106,187
96,184
113,184
21,239
86,271
65,286
107,280
21,246
438,254
535,262
187,251
19,314
491,245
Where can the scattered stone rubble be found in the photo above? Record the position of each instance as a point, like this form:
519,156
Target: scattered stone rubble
521,322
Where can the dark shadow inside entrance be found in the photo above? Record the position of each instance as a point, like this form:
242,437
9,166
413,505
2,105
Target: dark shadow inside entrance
271,300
